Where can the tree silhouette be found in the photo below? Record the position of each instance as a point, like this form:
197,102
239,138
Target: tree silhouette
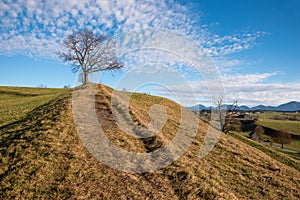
282,137
259,131
224,115
90,53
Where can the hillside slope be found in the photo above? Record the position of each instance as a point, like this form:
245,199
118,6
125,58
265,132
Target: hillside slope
16,102
42,157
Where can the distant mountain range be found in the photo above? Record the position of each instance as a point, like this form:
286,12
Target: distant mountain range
287,107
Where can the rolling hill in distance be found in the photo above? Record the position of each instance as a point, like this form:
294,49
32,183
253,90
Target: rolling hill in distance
42,156
287,107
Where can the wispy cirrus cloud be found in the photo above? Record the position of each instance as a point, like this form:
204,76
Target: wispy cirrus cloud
223,45
36,28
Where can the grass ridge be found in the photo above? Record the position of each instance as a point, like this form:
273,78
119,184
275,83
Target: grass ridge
272,153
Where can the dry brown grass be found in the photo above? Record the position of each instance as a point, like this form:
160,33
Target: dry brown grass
42,157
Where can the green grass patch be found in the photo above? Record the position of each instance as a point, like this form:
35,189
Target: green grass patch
293,116
290,126
16,102
291,154
280,120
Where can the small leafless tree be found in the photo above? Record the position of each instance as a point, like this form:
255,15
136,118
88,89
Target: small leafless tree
224,117
90,53
259,131
42,86
230,112
234,106
221,112
282,137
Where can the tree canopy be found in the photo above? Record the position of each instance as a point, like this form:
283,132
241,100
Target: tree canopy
90,53
282,137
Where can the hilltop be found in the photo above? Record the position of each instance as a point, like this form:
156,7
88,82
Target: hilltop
42,157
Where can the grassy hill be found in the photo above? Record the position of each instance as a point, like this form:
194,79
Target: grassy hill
42,157
16,102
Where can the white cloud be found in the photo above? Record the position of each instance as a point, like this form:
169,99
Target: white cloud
54,19
246,79
230,65
249,89
37,28
216,45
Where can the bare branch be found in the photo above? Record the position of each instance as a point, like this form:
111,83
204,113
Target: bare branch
90,53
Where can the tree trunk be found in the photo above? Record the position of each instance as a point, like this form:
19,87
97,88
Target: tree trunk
85,78
221,121
282,145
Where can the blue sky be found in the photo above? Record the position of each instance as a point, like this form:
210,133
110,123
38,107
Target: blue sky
278,50
255,44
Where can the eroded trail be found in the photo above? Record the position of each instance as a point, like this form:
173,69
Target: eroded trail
43,157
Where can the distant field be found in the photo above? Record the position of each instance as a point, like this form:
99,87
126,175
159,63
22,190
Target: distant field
16,102
279,115
290,126
280,120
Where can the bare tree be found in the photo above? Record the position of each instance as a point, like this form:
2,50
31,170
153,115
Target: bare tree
234,106
282,137
90,53
42,86
220,106
67,86
259,131
225,118
230,112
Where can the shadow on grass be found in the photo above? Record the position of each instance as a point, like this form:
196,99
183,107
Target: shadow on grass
14,93
21,133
